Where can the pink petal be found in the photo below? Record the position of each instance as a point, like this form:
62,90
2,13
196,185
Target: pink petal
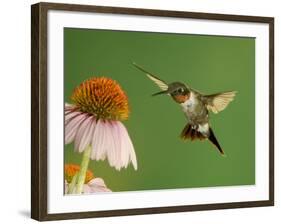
65,187
111,140
113,153
68,106
98,185
127,145
98,141
99,189
97,181
70,115
122,156
88,134
87,189
122,131
82,133
72,126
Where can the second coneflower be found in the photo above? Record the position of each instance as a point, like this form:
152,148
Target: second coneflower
91,184
93,123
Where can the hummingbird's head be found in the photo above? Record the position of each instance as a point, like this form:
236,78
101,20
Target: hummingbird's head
179,92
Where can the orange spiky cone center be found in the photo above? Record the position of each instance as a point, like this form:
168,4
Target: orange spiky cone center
70,170
102,97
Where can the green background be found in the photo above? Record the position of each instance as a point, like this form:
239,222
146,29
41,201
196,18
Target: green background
208,63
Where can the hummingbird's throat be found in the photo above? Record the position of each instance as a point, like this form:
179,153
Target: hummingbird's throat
181,98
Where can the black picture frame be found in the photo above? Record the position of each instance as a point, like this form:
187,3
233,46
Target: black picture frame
39,105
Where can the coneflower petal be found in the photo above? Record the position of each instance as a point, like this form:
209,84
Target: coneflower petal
68,106
119,162
95,185
98,185
87,135
87,189
98,142
65,186
128,145
124,153
83,129
113,152
72,126
71,115
133,156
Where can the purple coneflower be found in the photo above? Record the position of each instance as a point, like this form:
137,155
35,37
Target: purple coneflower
91,184
94,124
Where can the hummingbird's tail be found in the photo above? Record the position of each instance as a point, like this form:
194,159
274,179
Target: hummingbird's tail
212,138
189,132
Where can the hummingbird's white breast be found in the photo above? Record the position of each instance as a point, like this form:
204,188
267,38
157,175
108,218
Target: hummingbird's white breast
196,113
189,105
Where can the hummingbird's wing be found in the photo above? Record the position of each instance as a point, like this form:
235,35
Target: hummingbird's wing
160,83
219,101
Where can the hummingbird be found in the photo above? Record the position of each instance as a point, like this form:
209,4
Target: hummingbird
196,107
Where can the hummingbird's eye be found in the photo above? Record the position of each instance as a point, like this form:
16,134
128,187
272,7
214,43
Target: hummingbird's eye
180,90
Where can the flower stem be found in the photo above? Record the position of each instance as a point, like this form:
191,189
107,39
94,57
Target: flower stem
83,169
72,184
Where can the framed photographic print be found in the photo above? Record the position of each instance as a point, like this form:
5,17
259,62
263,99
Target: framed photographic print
140,111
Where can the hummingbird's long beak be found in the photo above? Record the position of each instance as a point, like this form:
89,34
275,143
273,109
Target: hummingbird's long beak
160,93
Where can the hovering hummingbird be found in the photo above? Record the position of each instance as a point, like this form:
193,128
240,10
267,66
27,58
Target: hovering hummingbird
196,107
